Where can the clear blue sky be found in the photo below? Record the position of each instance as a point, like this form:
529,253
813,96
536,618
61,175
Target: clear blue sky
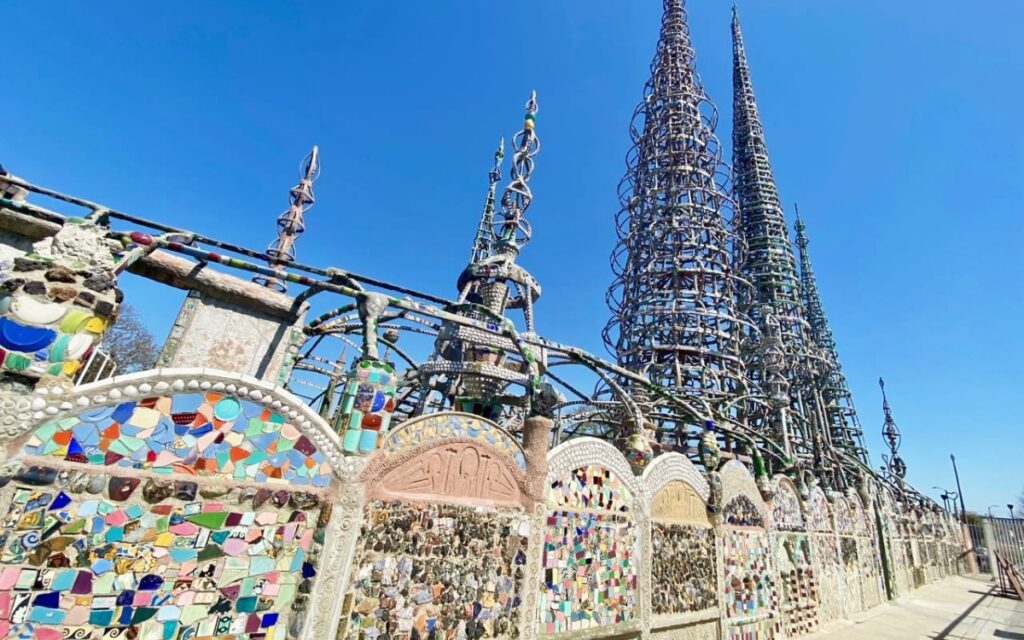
896,125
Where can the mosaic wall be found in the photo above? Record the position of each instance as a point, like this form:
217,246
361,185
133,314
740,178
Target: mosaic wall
748,586
786,513
368,402
742,512
683,568
798,587
92,558
436,571
825,556
202,434
588,567
454,425
56,302
817,512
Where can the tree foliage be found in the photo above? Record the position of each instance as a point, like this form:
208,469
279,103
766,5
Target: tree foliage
130,343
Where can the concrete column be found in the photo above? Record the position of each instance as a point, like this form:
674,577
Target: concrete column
536,442
990,547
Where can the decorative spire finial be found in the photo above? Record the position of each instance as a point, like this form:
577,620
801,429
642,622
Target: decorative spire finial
892,436
511,229
290,224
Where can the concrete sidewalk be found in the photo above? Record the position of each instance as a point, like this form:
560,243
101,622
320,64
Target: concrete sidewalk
954,609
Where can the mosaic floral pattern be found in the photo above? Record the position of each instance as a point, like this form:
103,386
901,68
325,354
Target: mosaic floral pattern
204,434
748,588
742,512
683,568
798,602
436,571
90,567
591,487
589,572
786,514
453,425
368,402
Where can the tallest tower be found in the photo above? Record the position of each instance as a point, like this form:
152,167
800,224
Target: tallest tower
769,265
674,295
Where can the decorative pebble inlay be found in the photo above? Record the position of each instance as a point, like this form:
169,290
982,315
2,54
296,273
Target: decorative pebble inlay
682,568
436,571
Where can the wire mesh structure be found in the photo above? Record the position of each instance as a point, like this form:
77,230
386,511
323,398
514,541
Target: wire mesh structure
290,224
840,414
674,294
768,263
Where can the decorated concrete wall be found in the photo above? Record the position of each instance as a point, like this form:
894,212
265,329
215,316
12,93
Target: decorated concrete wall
592,541
182,503
683,567
445,541
170,504
824,555
749,596
798,589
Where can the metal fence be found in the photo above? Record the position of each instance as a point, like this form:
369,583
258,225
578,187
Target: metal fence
1004,536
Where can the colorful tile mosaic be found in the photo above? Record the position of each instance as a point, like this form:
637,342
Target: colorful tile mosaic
798,587
92,568
436,571
55,307
844,517
454,425
589,571
748,587
683,568
825,558
741,511
204,434
817,512
367,405
786,514
591,488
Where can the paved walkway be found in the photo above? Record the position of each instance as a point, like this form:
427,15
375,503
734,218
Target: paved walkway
960,608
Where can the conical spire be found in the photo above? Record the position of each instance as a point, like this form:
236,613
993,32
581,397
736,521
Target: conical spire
674,294
290,224
483,243
767,261
841,416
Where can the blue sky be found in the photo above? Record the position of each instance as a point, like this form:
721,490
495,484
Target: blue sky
896,126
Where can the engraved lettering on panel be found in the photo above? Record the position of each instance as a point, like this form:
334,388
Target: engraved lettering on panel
462,470
678,502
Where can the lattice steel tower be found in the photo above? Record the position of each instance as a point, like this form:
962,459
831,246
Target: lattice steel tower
840,414
768,263
674,294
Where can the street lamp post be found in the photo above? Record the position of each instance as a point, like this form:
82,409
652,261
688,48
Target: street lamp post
945,498
990,516
1010,507
963,509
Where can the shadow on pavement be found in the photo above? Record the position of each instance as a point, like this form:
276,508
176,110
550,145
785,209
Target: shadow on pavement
952,625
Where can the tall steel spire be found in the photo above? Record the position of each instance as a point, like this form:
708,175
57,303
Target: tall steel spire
290,224
840,414
483,243
674,294
768,263
894,463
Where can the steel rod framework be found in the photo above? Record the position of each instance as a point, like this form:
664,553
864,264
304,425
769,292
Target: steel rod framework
674,294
